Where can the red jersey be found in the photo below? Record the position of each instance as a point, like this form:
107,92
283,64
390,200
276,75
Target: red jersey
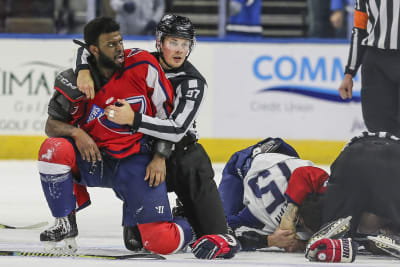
143,84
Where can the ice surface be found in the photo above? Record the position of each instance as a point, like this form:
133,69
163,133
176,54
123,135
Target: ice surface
22,203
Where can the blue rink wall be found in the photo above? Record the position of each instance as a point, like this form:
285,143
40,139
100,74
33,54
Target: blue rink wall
256,88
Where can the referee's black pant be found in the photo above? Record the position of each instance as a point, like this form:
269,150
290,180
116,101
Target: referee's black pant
191,176
380,90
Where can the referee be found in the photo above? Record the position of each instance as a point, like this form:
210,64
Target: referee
375,46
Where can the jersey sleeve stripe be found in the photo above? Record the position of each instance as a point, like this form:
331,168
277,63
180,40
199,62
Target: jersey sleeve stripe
181,118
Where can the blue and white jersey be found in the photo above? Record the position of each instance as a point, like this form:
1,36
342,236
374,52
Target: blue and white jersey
265,185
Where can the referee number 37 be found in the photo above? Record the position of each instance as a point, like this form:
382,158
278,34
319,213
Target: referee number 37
192,93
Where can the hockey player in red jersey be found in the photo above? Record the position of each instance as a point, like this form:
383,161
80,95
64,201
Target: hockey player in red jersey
86,147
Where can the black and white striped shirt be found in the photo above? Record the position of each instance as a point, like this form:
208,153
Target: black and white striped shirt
376,24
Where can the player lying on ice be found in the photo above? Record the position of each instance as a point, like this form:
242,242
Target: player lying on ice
85,146
264,217
187,168
260,183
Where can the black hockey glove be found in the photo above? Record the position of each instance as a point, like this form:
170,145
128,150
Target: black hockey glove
212,246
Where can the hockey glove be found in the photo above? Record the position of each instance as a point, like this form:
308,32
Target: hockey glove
332,250
212,246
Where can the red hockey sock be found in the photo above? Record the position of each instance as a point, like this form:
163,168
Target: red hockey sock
161,237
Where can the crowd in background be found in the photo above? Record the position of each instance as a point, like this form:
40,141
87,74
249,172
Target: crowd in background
322,18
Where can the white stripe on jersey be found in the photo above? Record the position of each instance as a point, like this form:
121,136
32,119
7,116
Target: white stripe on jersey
383,23
395,25
374,11
158,98
267,176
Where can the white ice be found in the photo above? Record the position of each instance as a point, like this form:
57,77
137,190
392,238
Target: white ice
22,203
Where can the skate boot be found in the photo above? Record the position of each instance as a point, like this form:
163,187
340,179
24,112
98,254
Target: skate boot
132,238
64,229
387,243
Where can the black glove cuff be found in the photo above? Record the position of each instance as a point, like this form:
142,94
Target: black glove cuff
163,148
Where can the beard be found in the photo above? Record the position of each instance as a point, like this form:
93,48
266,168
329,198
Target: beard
109,63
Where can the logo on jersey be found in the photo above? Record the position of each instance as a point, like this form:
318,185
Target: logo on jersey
160,209
95,113
66,82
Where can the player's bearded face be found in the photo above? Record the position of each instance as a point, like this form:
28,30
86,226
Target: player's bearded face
175,50
111,51
110,62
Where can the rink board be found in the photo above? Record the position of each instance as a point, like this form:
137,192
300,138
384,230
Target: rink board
273,88
219,150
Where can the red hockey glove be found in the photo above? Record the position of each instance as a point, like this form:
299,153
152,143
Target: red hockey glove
332,250
212,246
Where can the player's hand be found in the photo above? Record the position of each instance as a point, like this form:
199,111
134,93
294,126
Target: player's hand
289,218
86,146
282,238
297,245
156,171
120,113
346,87
85,83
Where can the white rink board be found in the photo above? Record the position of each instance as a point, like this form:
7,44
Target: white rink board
22,203
237,73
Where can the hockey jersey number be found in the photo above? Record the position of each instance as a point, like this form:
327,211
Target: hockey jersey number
265,185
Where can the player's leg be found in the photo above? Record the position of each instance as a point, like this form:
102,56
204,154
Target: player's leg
231,191
149,208
195,187
384,185
380,93
56,163
345,195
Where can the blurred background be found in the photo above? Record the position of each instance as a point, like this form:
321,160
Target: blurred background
272,66
277,18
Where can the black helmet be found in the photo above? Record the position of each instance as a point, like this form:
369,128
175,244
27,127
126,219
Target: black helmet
178,26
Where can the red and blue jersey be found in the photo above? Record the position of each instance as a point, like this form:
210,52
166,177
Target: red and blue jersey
143,84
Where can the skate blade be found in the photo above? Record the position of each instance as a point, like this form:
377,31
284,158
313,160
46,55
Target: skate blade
70,246
386,244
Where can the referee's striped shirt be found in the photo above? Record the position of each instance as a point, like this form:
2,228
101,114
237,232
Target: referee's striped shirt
376,24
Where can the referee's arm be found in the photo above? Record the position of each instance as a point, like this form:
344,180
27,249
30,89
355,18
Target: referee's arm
359,32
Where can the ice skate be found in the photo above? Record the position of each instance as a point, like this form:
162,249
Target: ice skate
64,229
388,243
132,238
334,230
